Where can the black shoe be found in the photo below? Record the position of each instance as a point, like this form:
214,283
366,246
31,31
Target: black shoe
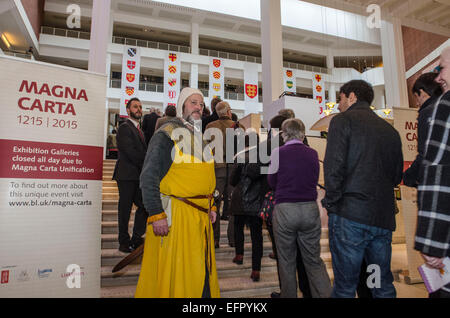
125,248
217,245
134,246
275,295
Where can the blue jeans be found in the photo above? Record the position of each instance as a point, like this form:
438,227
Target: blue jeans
350,243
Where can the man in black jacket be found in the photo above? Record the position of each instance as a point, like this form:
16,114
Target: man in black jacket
213,116
132,150
363,163
426,92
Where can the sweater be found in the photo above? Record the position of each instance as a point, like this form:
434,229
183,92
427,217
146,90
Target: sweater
297,175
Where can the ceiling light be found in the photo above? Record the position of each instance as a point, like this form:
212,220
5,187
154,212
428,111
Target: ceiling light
7,43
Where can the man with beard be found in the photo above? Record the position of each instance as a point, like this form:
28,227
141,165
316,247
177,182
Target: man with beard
177,183
132,149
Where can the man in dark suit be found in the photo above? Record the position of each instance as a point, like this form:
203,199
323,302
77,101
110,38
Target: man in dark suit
132,150
148,125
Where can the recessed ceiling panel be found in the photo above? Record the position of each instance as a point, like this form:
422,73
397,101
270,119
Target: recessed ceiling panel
175,16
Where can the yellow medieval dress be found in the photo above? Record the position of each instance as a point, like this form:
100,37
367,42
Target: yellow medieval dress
175,266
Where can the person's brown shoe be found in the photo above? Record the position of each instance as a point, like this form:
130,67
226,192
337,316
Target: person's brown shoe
255,276
238,259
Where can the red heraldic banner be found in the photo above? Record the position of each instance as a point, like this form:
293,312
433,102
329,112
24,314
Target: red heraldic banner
318,84
51,160
172,78
131,70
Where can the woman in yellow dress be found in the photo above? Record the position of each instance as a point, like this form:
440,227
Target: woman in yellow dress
177,185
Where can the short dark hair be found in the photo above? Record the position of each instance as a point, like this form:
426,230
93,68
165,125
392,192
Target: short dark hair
234,117
362,90
132,100
277,121
427,84
214,102
171,111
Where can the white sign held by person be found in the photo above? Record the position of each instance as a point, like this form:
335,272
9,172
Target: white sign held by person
51,162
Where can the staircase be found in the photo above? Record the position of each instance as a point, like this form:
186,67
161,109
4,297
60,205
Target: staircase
234,280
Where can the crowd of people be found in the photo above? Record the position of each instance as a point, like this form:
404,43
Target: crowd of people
182,195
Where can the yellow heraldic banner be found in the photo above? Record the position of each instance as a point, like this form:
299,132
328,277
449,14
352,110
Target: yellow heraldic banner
51,158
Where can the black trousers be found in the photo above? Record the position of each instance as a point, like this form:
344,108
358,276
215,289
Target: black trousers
255,224
129,193
303,282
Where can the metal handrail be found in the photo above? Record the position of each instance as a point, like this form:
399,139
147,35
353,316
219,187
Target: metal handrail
151,44
21,55
180,48
66,33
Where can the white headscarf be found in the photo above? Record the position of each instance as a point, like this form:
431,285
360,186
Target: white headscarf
185,94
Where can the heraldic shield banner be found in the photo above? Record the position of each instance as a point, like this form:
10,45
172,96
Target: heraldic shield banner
172,78
252,105
131,65
216,78
318,86
290,84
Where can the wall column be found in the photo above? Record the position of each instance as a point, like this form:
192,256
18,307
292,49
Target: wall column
193,80
272,51
331,86
100,31
195,38
394,64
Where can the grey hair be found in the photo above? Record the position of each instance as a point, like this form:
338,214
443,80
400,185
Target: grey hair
287,112
293,129
222,109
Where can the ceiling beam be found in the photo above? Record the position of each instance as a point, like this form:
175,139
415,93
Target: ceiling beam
431,14
410,7
445,2
438,16
423,26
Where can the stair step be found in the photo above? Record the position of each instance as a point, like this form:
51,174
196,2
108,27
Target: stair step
110,257
112,215
110,196
230,287
110,189
130,274
111,183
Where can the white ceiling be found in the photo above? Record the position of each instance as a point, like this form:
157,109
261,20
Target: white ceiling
427,15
